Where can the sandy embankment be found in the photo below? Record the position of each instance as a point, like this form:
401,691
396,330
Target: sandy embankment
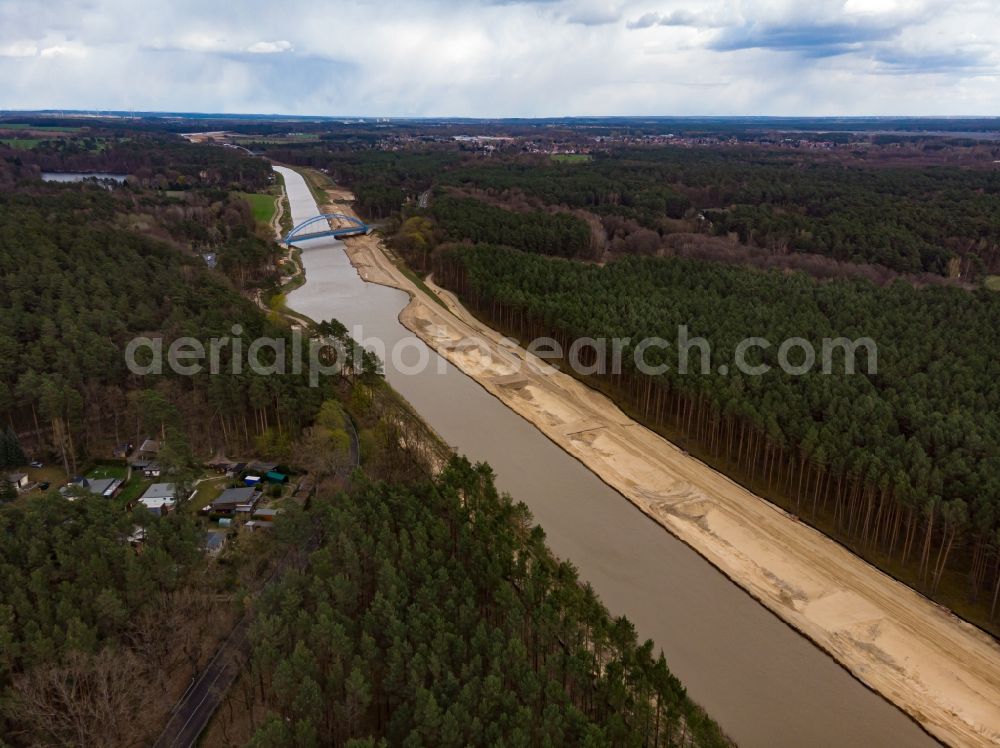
942,671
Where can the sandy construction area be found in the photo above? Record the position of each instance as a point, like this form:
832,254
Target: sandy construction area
942,671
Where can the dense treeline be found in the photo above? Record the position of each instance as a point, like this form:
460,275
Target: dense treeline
381,181
606,186
11,452
905,218
557,234
154,160
902,463
87,624
76,286
71,581
433,614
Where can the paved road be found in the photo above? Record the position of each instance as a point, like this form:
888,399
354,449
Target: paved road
203,697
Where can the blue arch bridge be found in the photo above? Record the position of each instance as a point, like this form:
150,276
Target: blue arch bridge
336,225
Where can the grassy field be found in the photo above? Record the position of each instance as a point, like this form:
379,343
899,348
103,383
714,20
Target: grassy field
992,282
20,144
292,137
134,489
43,128
23,143
263,206
208,491
571,158
107,471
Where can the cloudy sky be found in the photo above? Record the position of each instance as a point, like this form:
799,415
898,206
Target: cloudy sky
491,58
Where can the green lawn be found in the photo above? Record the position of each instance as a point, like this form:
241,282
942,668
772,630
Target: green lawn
263,207
571,158
134,489
107,471
20,144
207,492
992,282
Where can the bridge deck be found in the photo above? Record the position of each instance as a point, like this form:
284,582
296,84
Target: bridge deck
349,231
355,227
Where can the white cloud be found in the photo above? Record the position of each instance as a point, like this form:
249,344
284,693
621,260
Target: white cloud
63,50
270,48
506,58
680,17
18,49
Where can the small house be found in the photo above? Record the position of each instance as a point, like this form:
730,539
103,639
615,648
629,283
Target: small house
106,487
266,513
159,498
263,518
214,543
149,449
20,481
222,467
145,455
236,500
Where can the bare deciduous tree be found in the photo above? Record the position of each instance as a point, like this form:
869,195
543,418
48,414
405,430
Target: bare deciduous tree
85,700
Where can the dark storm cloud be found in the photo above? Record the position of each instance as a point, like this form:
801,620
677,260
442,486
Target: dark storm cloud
812,39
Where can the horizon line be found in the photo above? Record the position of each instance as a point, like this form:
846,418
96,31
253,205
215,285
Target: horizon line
97,113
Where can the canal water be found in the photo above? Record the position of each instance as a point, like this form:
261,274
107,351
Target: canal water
764,683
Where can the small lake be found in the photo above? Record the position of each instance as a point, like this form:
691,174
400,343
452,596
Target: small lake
69,176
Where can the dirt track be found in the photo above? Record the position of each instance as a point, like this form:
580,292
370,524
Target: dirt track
942,671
